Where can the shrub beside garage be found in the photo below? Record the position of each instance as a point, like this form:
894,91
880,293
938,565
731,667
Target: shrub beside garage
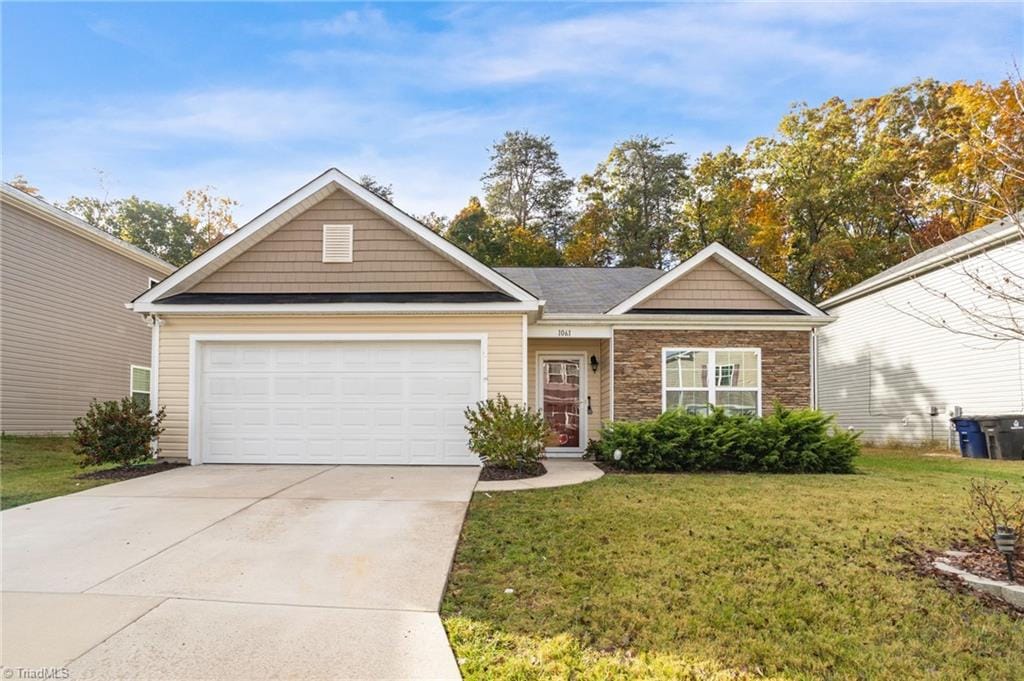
785,441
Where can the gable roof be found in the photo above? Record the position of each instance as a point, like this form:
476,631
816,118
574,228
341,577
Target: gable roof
998,233
75,225
580,290
734,262
297,202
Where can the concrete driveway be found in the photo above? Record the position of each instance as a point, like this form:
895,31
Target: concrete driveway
237,572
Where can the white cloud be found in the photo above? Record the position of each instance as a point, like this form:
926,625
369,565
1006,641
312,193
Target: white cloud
349,22
419,105
226,115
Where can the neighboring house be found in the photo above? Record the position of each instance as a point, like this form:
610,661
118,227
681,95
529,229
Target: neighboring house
66,336
885,368
335,328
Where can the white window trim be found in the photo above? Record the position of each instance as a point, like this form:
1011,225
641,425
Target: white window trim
712,389
131,381
584,392
152,282
345,258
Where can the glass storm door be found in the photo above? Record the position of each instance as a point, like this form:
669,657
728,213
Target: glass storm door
561,390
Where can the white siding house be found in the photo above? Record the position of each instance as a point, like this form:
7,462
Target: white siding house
887,368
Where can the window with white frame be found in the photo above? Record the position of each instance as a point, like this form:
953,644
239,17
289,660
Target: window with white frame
140,384
694,378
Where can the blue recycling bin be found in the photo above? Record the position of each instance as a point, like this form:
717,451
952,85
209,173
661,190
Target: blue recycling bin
972,438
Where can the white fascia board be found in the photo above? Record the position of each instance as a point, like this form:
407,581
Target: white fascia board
343,181
744,323
765,322
715,250
59,218
338,308
1011,233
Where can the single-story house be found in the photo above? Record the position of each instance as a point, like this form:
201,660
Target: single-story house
65,335
335,328
909,347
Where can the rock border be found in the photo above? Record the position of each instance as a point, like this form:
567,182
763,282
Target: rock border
1007,591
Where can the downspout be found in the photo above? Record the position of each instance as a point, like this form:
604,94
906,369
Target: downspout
155,323
611,376
814,368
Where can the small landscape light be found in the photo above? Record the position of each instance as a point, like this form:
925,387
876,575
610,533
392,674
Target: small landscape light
617,455
1006,544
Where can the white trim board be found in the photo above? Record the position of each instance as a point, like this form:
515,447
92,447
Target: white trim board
340,308
195,339
733,261
295,202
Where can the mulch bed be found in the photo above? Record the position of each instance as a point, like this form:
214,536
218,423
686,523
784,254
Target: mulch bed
921,562
129,472
983,560
496,473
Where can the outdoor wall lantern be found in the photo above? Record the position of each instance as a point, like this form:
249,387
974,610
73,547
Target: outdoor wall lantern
1006,543
594,363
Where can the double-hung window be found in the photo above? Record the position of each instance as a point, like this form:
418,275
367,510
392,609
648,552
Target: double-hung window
697,378
140,384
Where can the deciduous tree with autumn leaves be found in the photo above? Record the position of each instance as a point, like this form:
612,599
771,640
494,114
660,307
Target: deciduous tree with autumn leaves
841,191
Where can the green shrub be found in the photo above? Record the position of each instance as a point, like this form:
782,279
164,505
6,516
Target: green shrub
116,432
506,435
786,441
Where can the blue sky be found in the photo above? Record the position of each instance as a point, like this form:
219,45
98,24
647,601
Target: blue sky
255,99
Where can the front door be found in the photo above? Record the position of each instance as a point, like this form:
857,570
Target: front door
561,383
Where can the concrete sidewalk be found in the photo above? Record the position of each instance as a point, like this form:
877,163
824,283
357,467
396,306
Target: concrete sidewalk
237,572
560,473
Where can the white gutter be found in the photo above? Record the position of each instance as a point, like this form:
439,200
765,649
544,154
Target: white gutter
339,308
704,321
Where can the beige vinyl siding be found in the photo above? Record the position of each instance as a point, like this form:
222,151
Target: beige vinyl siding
66,335
504,351
711,286
589,346
385,257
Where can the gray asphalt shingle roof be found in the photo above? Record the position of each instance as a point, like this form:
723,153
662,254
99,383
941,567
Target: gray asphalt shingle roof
581,290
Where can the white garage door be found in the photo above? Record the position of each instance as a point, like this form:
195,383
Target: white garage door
337,402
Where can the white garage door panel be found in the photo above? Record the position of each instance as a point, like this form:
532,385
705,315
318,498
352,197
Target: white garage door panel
337,402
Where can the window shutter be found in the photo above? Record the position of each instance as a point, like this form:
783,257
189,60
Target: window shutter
337,243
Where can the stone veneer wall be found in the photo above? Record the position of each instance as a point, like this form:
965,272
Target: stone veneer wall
785,366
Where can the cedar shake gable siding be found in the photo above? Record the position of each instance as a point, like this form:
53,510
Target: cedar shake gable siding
385,258
711,286
785,366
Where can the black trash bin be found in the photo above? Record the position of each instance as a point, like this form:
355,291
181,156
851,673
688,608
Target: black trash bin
1004,435
971,437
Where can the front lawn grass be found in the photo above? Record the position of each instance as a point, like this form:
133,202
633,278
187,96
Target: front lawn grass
727,575
34,468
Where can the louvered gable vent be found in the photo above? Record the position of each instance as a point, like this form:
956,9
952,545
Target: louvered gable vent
337,243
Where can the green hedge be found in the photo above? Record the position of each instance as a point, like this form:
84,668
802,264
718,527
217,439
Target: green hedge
786,441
